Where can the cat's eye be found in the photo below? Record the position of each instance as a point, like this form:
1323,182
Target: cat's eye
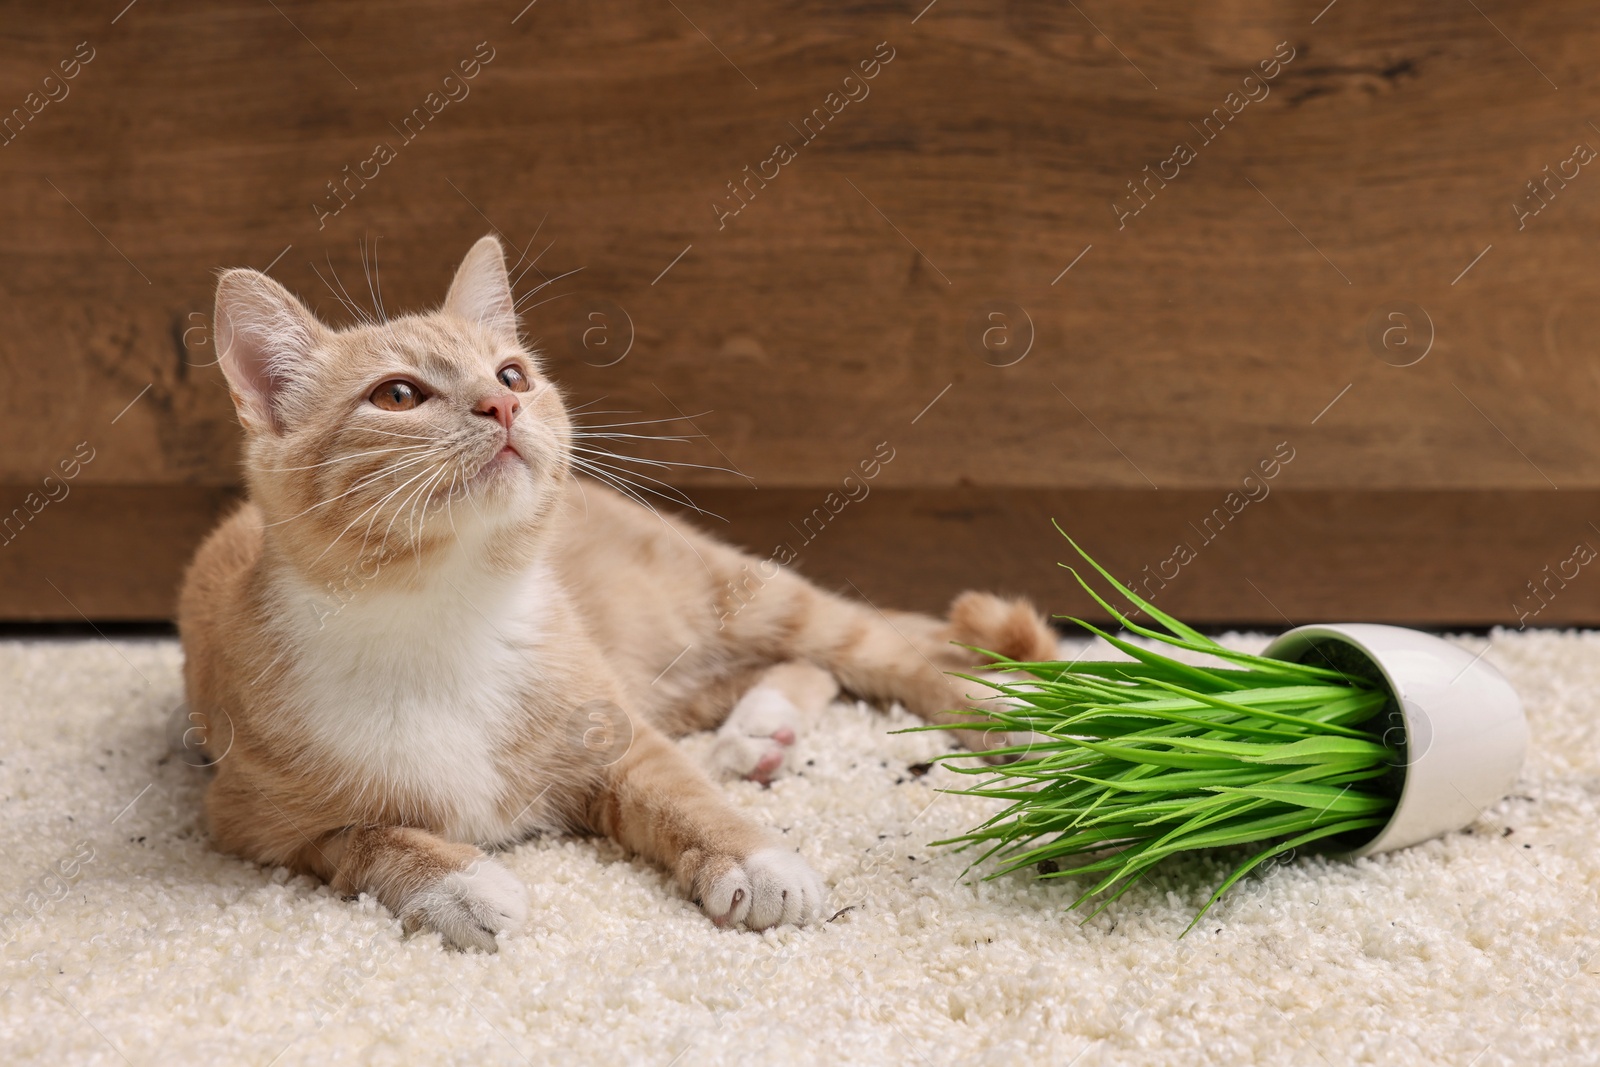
512,378
396,395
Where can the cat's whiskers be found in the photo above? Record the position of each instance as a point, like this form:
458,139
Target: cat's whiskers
597,434
439,470
374,284
521,304
378,514
472,499
627,490
532,264
513,272
424,497
637,436
377,476
349,300
636,422
463,471
408,507
400,509
621,487
522,254
370,508
449,505
360,484
664,463
392,433
577,481
434,503
355,310
346,458
587,446
525,309
623,481
419,511
666,492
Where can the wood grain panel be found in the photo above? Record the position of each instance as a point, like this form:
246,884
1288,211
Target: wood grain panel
1234,312
1449,557
105,552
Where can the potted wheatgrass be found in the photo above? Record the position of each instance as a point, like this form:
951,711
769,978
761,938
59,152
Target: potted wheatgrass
1354,738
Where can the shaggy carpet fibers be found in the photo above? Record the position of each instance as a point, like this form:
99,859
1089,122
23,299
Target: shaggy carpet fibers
127,939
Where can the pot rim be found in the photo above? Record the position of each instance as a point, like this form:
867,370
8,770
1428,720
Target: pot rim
1472,738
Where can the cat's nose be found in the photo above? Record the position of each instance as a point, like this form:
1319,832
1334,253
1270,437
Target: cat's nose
502,408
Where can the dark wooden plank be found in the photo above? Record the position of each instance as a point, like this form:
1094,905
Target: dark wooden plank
851,293
1444,557
1204,331
101,552
1465,558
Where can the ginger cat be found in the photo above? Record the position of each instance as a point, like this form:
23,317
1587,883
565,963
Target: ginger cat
515,644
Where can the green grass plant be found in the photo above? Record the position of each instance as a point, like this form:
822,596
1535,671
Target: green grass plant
1131,762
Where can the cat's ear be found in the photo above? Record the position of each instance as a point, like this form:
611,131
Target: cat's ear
481,291
264,336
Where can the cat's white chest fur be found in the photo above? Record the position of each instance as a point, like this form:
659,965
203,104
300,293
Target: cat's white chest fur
414,694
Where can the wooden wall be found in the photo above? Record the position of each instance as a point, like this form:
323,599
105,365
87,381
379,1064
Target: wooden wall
1351,268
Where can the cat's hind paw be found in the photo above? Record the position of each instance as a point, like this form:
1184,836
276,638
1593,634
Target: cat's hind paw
753,743
1010,628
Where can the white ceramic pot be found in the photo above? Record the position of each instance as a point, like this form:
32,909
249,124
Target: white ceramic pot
1464,734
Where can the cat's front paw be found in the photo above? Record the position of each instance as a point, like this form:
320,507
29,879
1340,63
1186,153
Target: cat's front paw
469,906
769,887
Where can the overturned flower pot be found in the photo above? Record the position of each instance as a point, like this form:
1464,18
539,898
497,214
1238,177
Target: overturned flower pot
1351,739
1455,721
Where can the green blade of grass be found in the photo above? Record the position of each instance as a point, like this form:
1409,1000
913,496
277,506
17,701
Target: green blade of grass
1137,601
1182,636
1324,798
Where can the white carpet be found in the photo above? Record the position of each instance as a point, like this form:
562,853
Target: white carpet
1477,949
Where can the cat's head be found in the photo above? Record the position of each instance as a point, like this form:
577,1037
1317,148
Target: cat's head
397,438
